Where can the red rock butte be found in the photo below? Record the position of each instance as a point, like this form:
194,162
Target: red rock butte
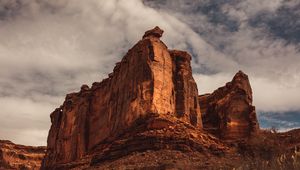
150,96
228,111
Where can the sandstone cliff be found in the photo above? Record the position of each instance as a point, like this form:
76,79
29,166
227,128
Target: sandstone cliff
147,115
228,112
149,81
14,156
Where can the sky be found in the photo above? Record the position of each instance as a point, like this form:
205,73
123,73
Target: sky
49,48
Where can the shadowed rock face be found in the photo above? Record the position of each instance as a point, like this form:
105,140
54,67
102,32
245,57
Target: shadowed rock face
186,105
150,80
14,156
228,111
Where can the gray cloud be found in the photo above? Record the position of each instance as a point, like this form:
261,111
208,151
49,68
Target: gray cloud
283,23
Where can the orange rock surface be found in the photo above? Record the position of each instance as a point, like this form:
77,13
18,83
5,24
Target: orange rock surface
228,112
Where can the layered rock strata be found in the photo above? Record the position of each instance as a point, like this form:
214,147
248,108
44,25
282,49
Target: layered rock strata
228,112
153,135
14,156
149,80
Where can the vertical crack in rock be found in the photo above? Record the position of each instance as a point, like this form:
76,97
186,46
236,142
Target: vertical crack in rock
186,92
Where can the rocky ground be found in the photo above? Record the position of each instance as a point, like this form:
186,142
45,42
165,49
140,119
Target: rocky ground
13,156
156,143
176,145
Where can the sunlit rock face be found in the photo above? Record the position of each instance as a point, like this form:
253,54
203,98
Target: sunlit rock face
228,111
149,80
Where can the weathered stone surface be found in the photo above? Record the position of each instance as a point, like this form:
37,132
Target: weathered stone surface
177,136
228,111
150,79
152,133
14,156
187,105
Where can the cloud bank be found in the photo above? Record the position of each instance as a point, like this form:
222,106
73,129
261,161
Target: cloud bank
50,48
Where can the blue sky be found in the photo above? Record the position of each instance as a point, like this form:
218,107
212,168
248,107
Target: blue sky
50,48
282,121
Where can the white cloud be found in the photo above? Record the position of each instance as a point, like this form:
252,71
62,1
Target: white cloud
32,137
26,120
268,95
272,96
209,83
246,9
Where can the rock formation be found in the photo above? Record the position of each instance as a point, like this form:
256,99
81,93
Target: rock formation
147,115
150,81
14,156
228,111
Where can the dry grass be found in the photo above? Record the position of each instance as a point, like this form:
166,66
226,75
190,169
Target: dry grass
268,151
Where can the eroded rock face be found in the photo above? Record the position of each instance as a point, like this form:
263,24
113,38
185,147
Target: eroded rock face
228,111
150,79
186,105
14,156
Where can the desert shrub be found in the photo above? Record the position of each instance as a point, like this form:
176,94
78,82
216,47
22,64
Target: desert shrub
263,146
267,151
296,158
